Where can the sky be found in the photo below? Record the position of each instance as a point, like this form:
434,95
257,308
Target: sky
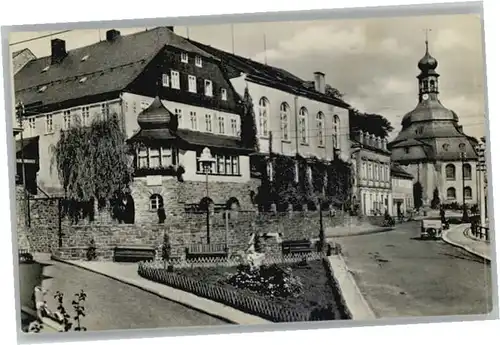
372,61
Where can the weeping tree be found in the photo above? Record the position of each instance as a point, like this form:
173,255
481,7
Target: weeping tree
248,126
93,164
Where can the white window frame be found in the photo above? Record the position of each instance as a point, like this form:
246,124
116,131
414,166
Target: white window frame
234,127
208,123
165,80
336,122
320,127
32,125
303,130
66,120
142,153
86,116
198,61
105,111
154,202
184,57
284,120
221,124
49,124
194,120
208,88
192,84
223,94
178,113
263,117
175,82
144,105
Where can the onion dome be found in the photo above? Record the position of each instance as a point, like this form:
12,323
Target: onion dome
427,62
155,116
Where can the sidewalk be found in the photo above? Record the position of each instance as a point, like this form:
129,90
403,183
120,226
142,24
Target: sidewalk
459,237
127,274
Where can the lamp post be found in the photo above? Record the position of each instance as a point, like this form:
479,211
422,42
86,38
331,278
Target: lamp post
465,216
206,160
481,167
20,112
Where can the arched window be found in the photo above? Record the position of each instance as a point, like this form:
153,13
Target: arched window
155,202
450,172
285,117
468,193
206,203
467,171
320,126
233,204
336,125
451,193
303,125
263,116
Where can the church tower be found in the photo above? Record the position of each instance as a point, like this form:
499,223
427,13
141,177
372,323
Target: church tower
428,77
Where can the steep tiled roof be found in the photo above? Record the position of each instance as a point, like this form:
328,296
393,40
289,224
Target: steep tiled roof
271,76
108,66
398,171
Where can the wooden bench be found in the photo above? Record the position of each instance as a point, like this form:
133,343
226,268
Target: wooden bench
296,247
133,253
206,250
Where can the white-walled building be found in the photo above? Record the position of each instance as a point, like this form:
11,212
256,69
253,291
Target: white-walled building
402,190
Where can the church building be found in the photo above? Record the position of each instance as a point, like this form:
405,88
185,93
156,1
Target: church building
433,147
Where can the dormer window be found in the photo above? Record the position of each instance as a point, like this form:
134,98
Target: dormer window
184,57
197,61
42,88
82,80
208,88
85,58
45,69
223,94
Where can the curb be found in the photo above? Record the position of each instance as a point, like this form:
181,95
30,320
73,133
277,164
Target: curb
368,232
465,247
358,307
189,304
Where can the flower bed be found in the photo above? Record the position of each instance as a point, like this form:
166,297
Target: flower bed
286,292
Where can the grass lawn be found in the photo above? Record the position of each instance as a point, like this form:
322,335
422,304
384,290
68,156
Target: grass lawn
317,289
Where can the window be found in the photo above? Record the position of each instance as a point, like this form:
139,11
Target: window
198,61
178,113
363,170
375,171
194,121
370,172
31,125
335,137
208,88
407,150
263,116
467,171
303,126
83,80
223,165
155,202
184,57
387,174
285,117
49,124
223,94
450,172
451,193
42,88
134,107
85,116
45,69
192,83
320,123
144,105
208,122
221,125
234,127
461,146
175,84
66,120
105,111
165,80
154,157
468,193
446,147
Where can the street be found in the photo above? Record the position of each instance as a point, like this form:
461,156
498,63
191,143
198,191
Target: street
114,305
401,275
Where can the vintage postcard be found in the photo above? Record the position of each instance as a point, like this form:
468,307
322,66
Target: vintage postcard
251,173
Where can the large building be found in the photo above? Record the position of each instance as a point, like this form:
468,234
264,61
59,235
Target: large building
372,177
124,76
433,147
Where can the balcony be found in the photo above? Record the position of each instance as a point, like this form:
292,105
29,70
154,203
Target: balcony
171,170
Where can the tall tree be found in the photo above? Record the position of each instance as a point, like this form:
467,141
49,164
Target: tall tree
372,123
248,126
93,163
333,92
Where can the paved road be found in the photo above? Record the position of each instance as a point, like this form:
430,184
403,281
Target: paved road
112,305
401,275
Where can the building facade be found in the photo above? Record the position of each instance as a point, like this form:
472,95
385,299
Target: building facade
122,77
433,147
371,170
402,191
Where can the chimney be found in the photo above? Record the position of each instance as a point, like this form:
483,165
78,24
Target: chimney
171,28
112,35
58,53
319,82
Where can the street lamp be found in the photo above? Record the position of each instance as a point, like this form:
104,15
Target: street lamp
206,160
481,167
463,156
